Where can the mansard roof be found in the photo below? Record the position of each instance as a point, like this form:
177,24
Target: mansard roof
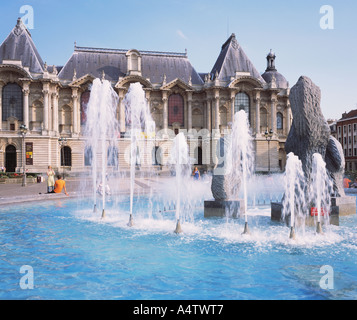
233,59
154,65
20,47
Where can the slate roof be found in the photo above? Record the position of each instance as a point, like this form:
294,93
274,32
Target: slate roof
280,80
349,115
232,59
19,46
114,63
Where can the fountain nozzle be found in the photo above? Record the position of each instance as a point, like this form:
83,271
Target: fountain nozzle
95,208
178,227
292,233
319,228
103,214
131,221
246,229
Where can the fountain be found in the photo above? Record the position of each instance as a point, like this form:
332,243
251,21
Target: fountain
310,140
236,165
180,159
101,131
294,203
139,120
320,192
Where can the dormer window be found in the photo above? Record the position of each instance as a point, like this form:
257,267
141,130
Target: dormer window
133,62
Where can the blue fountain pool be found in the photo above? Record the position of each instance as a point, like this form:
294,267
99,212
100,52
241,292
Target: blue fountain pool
76,255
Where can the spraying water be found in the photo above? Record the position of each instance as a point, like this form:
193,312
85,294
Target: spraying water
294,202
241,158
139,120
101,130
180,159
321,188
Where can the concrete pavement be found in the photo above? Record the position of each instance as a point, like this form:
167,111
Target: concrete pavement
16,193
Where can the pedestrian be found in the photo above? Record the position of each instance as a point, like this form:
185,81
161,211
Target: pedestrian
50,179
196,174
346,182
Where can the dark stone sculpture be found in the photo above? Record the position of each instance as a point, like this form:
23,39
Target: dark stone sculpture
310,133
225,182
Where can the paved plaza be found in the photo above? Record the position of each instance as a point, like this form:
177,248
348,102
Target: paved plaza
76,187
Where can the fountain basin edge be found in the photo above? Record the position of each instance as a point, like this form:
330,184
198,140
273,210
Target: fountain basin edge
341,206
224,208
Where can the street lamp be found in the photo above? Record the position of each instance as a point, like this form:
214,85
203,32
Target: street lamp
23,132
62,142
268,136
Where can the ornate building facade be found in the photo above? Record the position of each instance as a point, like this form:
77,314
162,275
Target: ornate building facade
51,102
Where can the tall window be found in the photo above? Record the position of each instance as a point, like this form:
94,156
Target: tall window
88,156
12,102
112,156
242,102
84,103
66,157
279,121
263,119
176,109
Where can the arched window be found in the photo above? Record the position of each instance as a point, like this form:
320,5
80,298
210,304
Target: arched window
12,102
279,121
66,157
242,102
176,109
198,156
84,103
10,158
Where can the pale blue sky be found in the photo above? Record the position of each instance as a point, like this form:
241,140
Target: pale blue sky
290,28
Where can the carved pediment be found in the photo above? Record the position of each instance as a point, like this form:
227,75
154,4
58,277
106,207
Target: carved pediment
246,81
177,82
12,69
82,80
126,81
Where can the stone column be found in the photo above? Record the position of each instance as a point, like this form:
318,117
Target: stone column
216,110
55,97
1,86
75,110
189,110
273,114
257,113
121,107
233,99
26,107
209,116
165,115
288,115
45,92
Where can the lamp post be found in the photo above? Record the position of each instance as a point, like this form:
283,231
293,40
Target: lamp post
23,132
268,136
62,142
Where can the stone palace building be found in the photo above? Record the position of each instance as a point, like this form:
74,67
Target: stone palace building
51,102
